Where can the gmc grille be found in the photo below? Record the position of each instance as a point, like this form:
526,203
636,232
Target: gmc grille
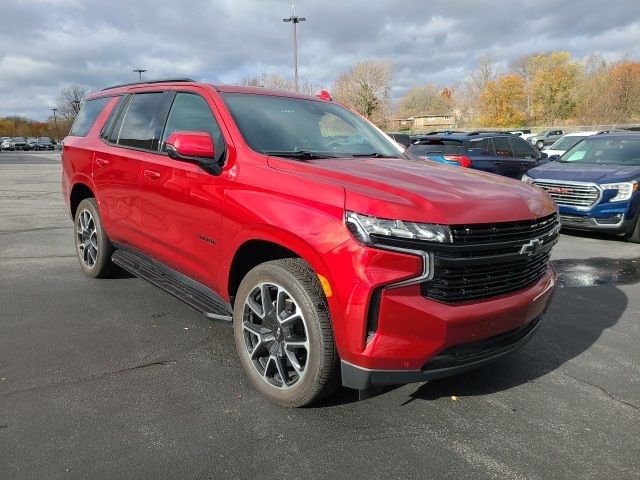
571,195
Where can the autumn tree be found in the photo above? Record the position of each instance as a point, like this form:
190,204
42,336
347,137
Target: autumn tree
367,89
624,91
553,86
501,102
593,100
425,99
276,82
70,100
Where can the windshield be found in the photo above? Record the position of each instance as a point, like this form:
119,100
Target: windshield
284,126
566,142
18,139
605,151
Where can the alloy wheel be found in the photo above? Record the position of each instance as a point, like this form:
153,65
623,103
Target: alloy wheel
275,335
87,238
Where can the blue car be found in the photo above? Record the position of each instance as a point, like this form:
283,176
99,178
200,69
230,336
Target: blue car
494,152
595,184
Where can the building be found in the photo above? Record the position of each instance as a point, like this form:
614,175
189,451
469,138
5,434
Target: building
420,123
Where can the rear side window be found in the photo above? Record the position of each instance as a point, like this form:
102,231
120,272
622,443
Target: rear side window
502,146
136,130
87,116
476,147
522,149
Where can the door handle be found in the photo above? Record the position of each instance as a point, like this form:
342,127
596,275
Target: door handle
151,174
102,162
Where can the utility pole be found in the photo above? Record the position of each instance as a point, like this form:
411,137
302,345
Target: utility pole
295,20
140,72
55,121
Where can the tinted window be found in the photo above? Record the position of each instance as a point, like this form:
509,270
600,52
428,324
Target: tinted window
190,113
442,147
502,146
87,116
136,130
522,149
566,142
283,124
477,146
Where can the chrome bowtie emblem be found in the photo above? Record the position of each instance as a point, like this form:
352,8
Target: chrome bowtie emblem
532,247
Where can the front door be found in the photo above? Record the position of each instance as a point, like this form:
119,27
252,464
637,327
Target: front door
180,202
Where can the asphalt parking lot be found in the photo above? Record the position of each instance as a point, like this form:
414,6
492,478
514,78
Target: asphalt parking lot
115,379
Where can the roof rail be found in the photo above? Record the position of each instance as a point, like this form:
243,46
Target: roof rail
479,132
162,80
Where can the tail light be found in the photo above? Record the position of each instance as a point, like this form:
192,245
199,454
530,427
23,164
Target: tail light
461,160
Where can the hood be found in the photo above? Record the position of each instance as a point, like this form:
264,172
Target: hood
424,191
585,172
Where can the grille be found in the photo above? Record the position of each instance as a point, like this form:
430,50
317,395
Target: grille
461,283
572,195
502,232
486,260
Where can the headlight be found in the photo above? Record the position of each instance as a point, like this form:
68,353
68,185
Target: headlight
526,178
625,190
363,226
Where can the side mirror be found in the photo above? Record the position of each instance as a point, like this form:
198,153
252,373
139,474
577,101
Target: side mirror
193,147
553,158
544,156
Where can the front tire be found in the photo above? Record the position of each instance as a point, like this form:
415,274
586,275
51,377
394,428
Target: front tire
635,233
93,247
283,333
539,144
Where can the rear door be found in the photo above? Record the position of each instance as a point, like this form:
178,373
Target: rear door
525,154
126,139
483,155
506,163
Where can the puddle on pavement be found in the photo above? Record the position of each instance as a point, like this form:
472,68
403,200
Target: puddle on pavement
597,271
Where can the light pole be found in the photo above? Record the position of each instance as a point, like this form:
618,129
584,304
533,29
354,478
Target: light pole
55,121
295,20
140,72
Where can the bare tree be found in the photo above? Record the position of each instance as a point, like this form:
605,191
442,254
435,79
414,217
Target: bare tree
367,89
70,100
278,83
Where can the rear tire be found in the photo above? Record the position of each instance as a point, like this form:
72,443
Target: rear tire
539,144
93,247
283,333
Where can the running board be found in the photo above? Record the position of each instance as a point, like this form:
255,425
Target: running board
194,294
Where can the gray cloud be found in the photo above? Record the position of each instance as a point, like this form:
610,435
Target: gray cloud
45,44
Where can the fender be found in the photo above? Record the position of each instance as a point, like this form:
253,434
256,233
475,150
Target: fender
287,240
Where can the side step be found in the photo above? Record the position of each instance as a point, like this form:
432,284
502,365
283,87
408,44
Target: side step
194,294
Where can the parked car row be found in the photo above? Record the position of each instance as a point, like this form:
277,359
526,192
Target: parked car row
30,143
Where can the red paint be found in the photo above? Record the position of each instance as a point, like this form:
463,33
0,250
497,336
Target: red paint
192,144
301,206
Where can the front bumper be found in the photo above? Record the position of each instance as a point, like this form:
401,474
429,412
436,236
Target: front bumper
618,218
395,334
452,361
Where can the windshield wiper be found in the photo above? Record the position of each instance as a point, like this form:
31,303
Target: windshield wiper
374,155
296,154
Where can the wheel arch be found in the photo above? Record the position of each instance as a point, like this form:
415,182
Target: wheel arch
79,192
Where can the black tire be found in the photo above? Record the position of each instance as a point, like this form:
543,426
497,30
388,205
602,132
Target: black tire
100,264
320,375
634,237
540,144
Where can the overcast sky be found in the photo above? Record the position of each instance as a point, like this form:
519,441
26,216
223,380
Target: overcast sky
45,44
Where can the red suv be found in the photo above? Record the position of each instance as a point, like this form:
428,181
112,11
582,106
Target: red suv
334,256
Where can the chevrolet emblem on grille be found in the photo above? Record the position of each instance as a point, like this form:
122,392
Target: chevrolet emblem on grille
532,247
